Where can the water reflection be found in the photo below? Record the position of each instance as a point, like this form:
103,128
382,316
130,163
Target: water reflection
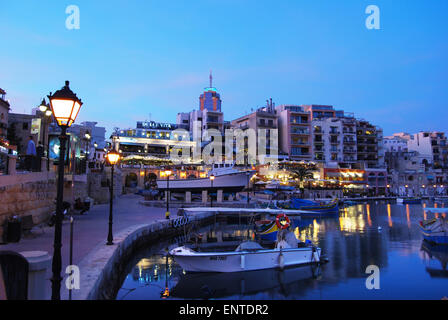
382,234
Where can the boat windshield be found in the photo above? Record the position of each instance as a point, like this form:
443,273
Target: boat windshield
249,246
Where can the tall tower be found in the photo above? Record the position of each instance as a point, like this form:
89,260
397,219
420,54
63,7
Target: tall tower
210,99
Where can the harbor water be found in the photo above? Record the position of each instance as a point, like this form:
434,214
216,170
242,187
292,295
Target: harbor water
378,234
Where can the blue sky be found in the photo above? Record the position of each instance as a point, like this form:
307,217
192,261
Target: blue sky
130,59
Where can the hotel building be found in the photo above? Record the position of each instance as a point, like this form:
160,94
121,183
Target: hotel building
150,138
209,112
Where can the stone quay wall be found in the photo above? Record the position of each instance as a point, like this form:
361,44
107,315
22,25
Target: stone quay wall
34,193
26,194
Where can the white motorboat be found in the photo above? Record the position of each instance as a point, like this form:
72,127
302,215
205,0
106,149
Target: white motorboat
248,256
226,177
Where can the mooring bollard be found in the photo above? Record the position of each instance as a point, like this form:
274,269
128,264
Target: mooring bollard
39,265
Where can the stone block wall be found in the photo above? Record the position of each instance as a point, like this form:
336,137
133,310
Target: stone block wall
28,198
98,188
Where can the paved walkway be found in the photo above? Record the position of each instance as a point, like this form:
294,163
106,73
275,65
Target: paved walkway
90,229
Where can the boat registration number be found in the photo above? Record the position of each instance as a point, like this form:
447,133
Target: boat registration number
218,258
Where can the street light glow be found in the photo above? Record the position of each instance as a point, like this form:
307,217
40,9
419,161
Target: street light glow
113,157
65,105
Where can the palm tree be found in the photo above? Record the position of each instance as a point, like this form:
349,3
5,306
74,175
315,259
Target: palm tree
303,173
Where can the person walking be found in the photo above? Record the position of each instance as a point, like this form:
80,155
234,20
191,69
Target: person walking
30,154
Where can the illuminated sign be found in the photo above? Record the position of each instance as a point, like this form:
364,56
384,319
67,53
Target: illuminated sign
154,125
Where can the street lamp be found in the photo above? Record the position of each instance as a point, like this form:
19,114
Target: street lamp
212,178
167,213
65,106
112,157
44,108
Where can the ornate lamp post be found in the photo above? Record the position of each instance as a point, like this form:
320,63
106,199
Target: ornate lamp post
112,157
167,213
65,106
212,178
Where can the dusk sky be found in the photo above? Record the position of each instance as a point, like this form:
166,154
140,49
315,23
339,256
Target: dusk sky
130,59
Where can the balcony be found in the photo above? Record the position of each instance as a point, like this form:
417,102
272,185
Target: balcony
349,142
267,125
302,133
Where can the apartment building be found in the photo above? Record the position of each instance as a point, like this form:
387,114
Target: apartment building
432,144
4,110
334,141
262,121
295,137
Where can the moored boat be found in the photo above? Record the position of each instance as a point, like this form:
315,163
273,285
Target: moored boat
435,230
268,229
314,209
248,256
409,200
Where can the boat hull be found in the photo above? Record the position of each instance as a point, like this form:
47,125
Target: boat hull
435,232
246,260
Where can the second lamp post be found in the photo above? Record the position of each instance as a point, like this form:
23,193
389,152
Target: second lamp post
212,178
167,213
112,157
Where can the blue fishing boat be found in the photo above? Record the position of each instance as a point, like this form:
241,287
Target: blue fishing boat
313,209
435,230
268,229
409,200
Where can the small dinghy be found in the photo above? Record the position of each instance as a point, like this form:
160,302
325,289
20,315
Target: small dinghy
435,230
249,256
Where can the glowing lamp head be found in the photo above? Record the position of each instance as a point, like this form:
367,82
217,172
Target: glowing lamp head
43,106
65,106
212,177
48,113
113,157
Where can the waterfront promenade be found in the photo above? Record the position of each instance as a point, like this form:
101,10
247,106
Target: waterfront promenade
90,229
